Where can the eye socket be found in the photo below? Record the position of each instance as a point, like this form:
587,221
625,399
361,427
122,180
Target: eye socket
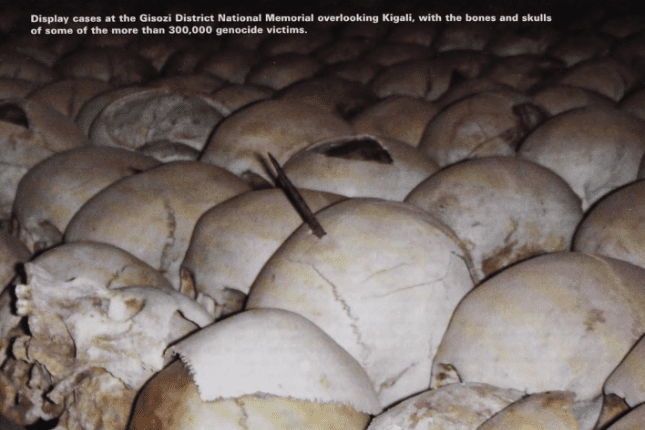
11,112
361,149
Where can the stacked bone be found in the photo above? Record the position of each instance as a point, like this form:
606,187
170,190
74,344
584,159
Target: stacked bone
480,264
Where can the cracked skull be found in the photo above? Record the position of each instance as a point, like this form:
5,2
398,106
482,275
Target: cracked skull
382,283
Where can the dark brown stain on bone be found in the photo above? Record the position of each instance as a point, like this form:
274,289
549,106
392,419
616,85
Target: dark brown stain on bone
11,112
360,149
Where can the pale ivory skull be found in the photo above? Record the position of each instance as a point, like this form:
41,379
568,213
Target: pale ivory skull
233,97
21,66
333,94
280,71
511,42
594,149
52,191
114,65
480,125
360,166
561,321
91,348
605,76
281,127
11,88
93,107
455,407
106,265
382,282
614,226
152,214
232,241
504,209
401,118
29,133
556,99
425,79
68,96
523,72
262,369
152,115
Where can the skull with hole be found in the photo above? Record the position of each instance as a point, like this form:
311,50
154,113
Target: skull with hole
561,321
263,369
233,240
52,191
91,348
504,209
281,127
107,266
152,214
382,282
29,133
360,166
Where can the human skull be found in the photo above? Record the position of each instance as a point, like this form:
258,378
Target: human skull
561,321
90,348
260,369
382,282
